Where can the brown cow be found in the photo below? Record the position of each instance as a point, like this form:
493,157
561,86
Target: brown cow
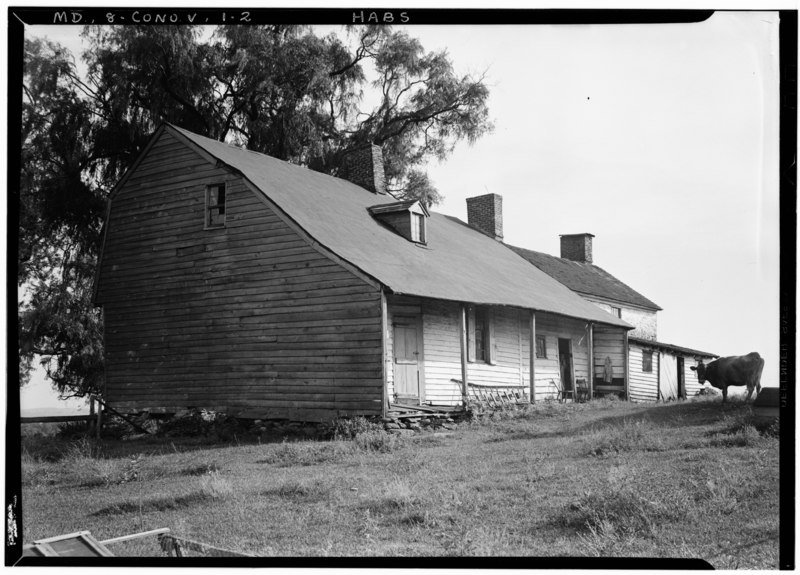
734,370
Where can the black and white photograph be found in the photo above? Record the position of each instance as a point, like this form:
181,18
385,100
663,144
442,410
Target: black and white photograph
401,287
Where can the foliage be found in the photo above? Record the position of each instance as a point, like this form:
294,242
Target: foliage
282,90
345,428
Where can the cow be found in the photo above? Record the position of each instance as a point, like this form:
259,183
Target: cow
734,370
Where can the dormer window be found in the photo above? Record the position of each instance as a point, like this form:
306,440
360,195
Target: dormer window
408,218
215,206
418,228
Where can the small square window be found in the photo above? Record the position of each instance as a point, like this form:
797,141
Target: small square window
541,346
616,312
647,361
215,206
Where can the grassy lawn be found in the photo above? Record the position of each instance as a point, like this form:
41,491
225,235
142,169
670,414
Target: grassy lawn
687,479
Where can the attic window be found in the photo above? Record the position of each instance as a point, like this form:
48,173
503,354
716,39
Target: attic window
407,218
215,206
418,228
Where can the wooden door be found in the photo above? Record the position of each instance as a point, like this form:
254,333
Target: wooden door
681,381
565,363
406,362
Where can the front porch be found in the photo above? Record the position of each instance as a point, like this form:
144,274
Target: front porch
441,354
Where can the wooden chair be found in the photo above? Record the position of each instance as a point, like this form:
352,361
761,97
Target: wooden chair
563,394
581,390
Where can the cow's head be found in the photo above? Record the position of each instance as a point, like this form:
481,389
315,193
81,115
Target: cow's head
701,371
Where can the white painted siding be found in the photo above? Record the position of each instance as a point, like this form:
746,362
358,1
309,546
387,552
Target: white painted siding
548,375
690,377
645,322
609,343
643,386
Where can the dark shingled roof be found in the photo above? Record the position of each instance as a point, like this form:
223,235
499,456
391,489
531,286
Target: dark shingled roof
457,264
586,279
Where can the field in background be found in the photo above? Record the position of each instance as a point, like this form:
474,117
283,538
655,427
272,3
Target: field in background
687,479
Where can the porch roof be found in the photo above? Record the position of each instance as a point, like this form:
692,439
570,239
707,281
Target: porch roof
669,347
458,263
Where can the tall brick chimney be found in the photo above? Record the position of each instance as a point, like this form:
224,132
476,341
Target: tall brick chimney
364,166
577,247
486,213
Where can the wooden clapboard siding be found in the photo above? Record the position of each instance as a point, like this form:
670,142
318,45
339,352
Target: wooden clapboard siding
442,350
609,343
245,317
507,365
548,374
690,377
643,385
441,332
397,306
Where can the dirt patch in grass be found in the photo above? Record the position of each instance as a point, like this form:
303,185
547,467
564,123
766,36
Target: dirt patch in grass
160,504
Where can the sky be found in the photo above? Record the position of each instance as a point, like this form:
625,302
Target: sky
661,140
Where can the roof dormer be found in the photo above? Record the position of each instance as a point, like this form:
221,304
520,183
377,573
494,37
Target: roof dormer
408,218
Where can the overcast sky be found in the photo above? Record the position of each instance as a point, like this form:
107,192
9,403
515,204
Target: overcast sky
661,140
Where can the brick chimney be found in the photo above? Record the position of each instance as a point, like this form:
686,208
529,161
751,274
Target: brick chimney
486,213
577,247
364,166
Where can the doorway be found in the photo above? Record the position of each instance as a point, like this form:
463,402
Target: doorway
681,382
565,364
407,357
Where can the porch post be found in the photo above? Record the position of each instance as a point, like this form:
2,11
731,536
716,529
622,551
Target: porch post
591,360
384,338
463,338
658,377
532,381
627,367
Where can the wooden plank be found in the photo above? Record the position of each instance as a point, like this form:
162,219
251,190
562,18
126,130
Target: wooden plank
386,355
56,418
532,346
627,368
464,369
590,347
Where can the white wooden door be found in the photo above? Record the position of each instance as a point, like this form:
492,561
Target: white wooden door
668,372
406,361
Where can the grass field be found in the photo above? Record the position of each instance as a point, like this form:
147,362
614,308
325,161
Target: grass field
604,479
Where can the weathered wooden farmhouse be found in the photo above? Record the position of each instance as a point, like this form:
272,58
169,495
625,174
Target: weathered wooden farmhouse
656,370
236,282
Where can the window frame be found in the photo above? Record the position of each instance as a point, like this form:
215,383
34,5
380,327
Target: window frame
219,205
647,361
541,353
488,337
418,232
616,311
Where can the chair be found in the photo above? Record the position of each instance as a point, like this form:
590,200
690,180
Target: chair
581,390
563,394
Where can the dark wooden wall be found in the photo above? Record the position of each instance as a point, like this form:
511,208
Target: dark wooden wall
247,318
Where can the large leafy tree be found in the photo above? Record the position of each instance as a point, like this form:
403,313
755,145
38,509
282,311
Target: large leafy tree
286,91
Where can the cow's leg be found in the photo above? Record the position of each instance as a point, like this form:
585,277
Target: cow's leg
724,393
749,392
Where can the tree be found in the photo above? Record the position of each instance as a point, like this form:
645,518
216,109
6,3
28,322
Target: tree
282,90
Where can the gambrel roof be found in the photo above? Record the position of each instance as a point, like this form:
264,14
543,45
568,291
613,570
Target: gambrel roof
586,279
458,263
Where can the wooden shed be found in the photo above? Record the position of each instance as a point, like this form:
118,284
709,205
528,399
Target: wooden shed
236,282
661,372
